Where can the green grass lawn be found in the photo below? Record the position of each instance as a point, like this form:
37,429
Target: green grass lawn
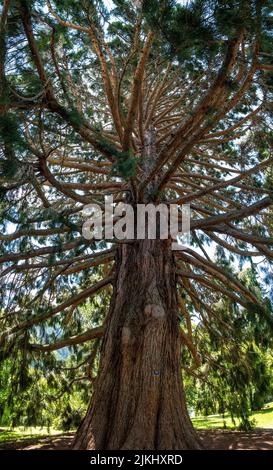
21,433
263,419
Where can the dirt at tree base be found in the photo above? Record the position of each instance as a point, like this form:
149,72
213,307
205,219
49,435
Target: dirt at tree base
217,439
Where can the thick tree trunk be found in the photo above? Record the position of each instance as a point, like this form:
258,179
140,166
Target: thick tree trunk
138,402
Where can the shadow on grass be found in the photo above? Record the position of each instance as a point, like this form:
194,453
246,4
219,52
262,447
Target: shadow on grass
213,423
263,411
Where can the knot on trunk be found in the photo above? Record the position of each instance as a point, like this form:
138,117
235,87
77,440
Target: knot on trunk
125,335
154,310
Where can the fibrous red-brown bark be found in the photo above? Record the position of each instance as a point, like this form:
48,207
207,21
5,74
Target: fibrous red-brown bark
138,401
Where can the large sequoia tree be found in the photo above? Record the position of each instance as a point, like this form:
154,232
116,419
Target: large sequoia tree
148,101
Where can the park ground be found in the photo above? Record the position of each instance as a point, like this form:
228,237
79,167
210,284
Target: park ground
211,430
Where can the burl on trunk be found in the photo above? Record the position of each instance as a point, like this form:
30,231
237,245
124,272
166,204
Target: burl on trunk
138,401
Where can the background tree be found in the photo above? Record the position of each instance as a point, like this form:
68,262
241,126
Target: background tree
237,375
151,101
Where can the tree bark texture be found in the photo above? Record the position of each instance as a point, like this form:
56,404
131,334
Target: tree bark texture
138,401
